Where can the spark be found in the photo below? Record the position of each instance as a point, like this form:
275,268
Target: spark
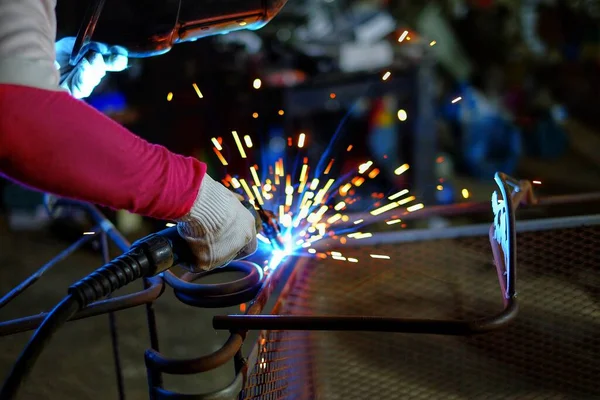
314,184
352,260
399,194
247,189
257,83
336,253
465,193
170,224
312,251
403,36
301,139
248,141
386,76
362,168
349,148
254,115
238,143
170,96
360,235
385,208
235,183
89,233
380,256
439,187
394,221
321,193
373,173
280,112
198,92
415,207
456,100
243,23
302,178
432,43
344,189
537,182
339,206
333,219
339,258
402,115
332,95
401,169
217,144
358,221
220,156
406,200
359,180
255,176
328,167
289,200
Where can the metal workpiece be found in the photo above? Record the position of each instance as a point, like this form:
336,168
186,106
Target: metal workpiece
438,285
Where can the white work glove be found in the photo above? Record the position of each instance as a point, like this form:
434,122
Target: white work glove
218,228
83,78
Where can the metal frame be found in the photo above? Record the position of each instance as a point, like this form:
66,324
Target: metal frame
258,287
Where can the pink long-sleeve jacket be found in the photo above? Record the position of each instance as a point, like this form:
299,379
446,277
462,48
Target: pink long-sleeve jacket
52,142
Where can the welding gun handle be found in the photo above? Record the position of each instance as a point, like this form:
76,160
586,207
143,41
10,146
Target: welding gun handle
182,252
166,249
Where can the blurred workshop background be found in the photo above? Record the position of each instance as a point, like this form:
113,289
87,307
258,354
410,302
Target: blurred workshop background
438,95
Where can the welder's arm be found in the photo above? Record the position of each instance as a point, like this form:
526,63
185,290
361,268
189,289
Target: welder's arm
52,142
55,143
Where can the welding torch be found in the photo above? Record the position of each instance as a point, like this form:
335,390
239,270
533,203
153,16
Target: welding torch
266,222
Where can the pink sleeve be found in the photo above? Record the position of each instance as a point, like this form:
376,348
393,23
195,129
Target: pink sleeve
54,143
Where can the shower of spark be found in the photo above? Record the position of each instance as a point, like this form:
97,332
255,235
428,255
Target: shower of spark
310,202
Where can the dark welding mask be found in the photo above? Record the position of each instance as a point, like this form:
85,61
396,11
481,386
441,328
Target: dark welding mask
146,28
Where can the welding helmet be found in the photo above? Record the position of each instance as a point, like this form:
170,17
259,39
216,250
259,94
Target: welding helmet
146,28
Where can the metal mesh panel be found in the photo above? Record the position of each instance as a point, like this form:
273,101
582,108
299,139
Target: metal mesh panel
552,351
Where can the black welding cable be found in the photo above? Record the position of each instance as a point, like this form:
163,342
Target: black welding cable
53,321
149,256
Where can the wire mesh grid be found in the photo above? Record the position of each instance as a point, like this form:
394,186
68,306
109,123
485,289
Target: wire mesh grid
551,351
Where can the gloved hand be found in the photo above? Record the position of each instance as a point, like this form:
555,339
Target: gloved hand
83,78
218,228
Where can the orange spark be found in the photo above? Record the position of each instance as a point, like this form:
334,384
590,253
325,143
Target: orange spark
220,156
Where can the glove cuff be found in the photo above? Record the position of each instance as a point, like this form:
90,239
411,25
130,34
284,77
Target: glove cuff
210,211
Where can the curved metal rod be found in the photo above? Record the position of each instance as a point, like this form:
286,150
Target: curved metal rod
214,360
145,296
185,283
228,393
218,295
